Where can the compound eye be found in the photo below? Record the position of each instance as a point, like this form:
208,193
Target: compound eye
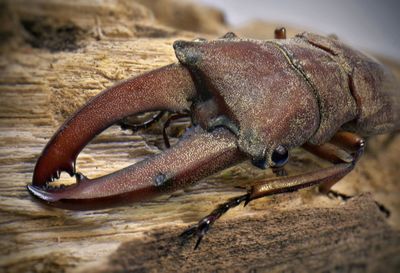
280,156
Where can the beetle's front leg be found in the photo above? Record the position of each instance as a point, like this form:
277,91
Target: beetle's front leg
348,141
343,162
205,223
267,188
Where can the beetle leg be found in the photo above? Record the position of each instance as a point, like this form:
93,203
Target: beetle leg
168,122
267,188
296,182
126,123
205,223
326,177
343,164
351,142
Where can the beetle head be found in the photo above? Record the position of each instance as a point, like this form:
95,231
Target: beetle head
255,92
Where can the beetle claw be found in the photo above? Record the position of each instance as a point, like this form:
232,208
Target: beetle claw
194,231
199,238
204,225
187,234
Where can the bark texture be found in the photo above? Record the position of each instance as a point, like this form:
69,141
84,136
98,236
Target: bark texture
56,54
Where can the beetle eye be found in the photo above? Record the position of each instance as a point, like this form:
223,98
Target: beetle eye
280,156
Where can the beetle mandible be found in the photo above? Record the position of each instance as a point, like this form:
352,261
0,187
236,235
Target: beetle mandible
248,99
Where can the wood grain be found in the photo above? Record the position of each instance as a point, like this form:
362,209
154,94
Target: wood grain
302,239
54,56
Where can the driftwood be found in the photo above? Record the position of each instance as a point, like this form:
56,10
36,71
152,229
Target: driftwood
55,55
302,239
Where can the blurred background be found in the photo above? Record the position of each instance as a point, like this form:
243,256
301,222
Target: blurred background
365,24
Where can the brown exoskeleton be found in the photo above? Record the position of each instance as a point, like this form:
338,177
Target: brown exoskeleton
248,99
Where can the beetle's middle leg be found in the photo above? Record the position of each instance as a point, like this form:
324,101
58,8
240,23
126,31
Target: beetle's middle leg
343,151
353,145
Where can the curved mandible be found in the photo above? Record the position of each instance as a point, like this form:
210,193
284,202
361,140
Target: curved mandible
167,88
196,156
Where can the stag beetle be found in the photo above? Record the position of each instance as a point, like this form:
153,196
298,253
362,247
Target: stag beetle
248,100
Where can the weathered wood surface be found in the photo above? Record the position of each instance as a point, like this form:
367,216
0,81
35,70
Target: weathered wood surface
302,239
54,56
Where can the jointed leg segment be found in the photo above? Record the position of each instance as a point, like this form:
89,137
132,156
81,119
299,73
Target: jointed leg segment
344,162
204,224
127,124
168,122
